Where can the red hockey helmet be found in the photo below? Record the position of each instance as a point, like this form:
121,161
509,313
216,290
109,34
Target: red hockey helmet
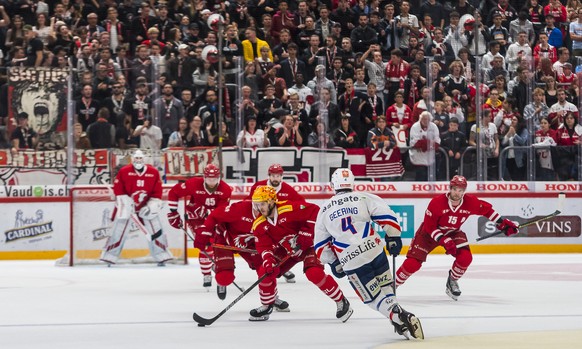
211,171
459,181
275,169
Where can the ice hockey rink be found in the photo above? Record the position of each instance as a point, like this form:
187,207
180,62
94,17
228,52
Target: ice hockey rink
508,301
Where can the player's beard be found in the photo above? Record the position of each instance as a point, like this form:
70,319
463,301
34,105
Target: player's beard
274,183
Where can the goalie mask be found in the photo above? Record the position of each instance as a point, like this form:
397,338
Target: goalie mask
138,160
342,179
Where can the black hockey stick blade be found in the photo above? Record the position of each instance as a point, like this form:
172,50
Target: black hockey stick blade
207,322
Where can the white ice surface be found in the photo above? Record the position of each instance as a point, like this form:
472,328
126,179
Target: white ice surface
147,307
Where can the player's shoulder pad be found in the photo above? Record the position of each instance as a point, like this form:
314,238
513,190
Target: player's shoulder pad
258,221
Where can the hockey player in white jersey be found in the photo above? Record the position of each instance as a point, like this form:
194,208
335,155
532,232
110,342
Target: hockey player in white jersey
347,238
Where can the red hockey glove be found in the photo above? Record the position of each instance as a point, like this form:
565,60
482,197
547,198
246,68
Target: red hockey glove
244,240
304,240
202,238
508,227
449,246
174,219
269,265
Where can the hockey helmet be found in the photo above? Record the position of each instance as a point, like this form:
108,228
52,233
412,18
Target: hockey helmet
264,193
459,181
211,171
342,179
275,169
138,160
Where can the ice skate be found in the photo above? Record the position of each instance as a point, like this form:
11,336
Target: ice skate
344,310
453,289
410,324
207,281
261,313
289,277
281,306
221,292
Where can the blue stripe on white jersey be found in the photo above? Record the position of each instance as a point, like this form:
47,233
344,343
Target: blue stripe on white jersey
322,243
366,230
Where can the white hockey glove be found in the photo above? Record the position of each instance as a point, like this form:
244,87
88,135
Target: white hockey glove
152,209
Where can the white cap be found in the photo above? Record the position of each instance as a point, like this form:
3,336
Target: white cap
206,11
183,47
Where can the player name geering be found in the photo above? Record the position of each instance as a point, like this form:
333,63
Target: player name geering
343,211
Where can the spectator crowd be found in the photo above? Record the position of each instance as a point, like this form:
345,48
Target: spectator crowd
392,75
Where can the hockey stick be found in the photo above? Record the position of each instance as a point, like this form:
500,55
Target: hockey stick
185,231
233,248
394,273
207,322
522,225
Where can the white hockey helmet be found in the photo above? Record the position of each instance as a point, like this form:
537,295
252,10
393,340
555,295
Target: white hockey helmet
138,160
342,179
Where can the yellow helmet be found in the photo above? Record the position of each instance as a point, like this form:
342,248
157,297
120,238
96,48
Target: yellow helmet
264,193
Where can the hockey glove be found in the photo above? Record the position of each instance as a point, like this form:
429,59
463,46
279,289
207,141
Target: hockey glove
449,246
269,264
508,227
174,219
337,270
139,197
304,240
202,238
394,245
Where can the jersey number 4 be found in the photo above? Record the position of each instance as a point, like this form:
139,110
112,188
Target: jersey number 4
348,226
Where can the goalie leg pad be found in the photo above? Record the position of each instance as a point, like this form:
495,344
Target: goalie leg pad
115,242
159,242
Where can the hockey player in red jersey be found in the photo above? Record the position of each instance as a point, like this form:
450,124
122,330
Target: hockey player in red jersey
289,225
206,194
285,192
138,189
442,223
231,226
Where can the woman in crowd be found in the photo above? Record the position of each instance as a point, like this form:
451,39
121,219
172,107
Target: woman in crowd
251,136
566,156
178,137
196,135
517,135
545,137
